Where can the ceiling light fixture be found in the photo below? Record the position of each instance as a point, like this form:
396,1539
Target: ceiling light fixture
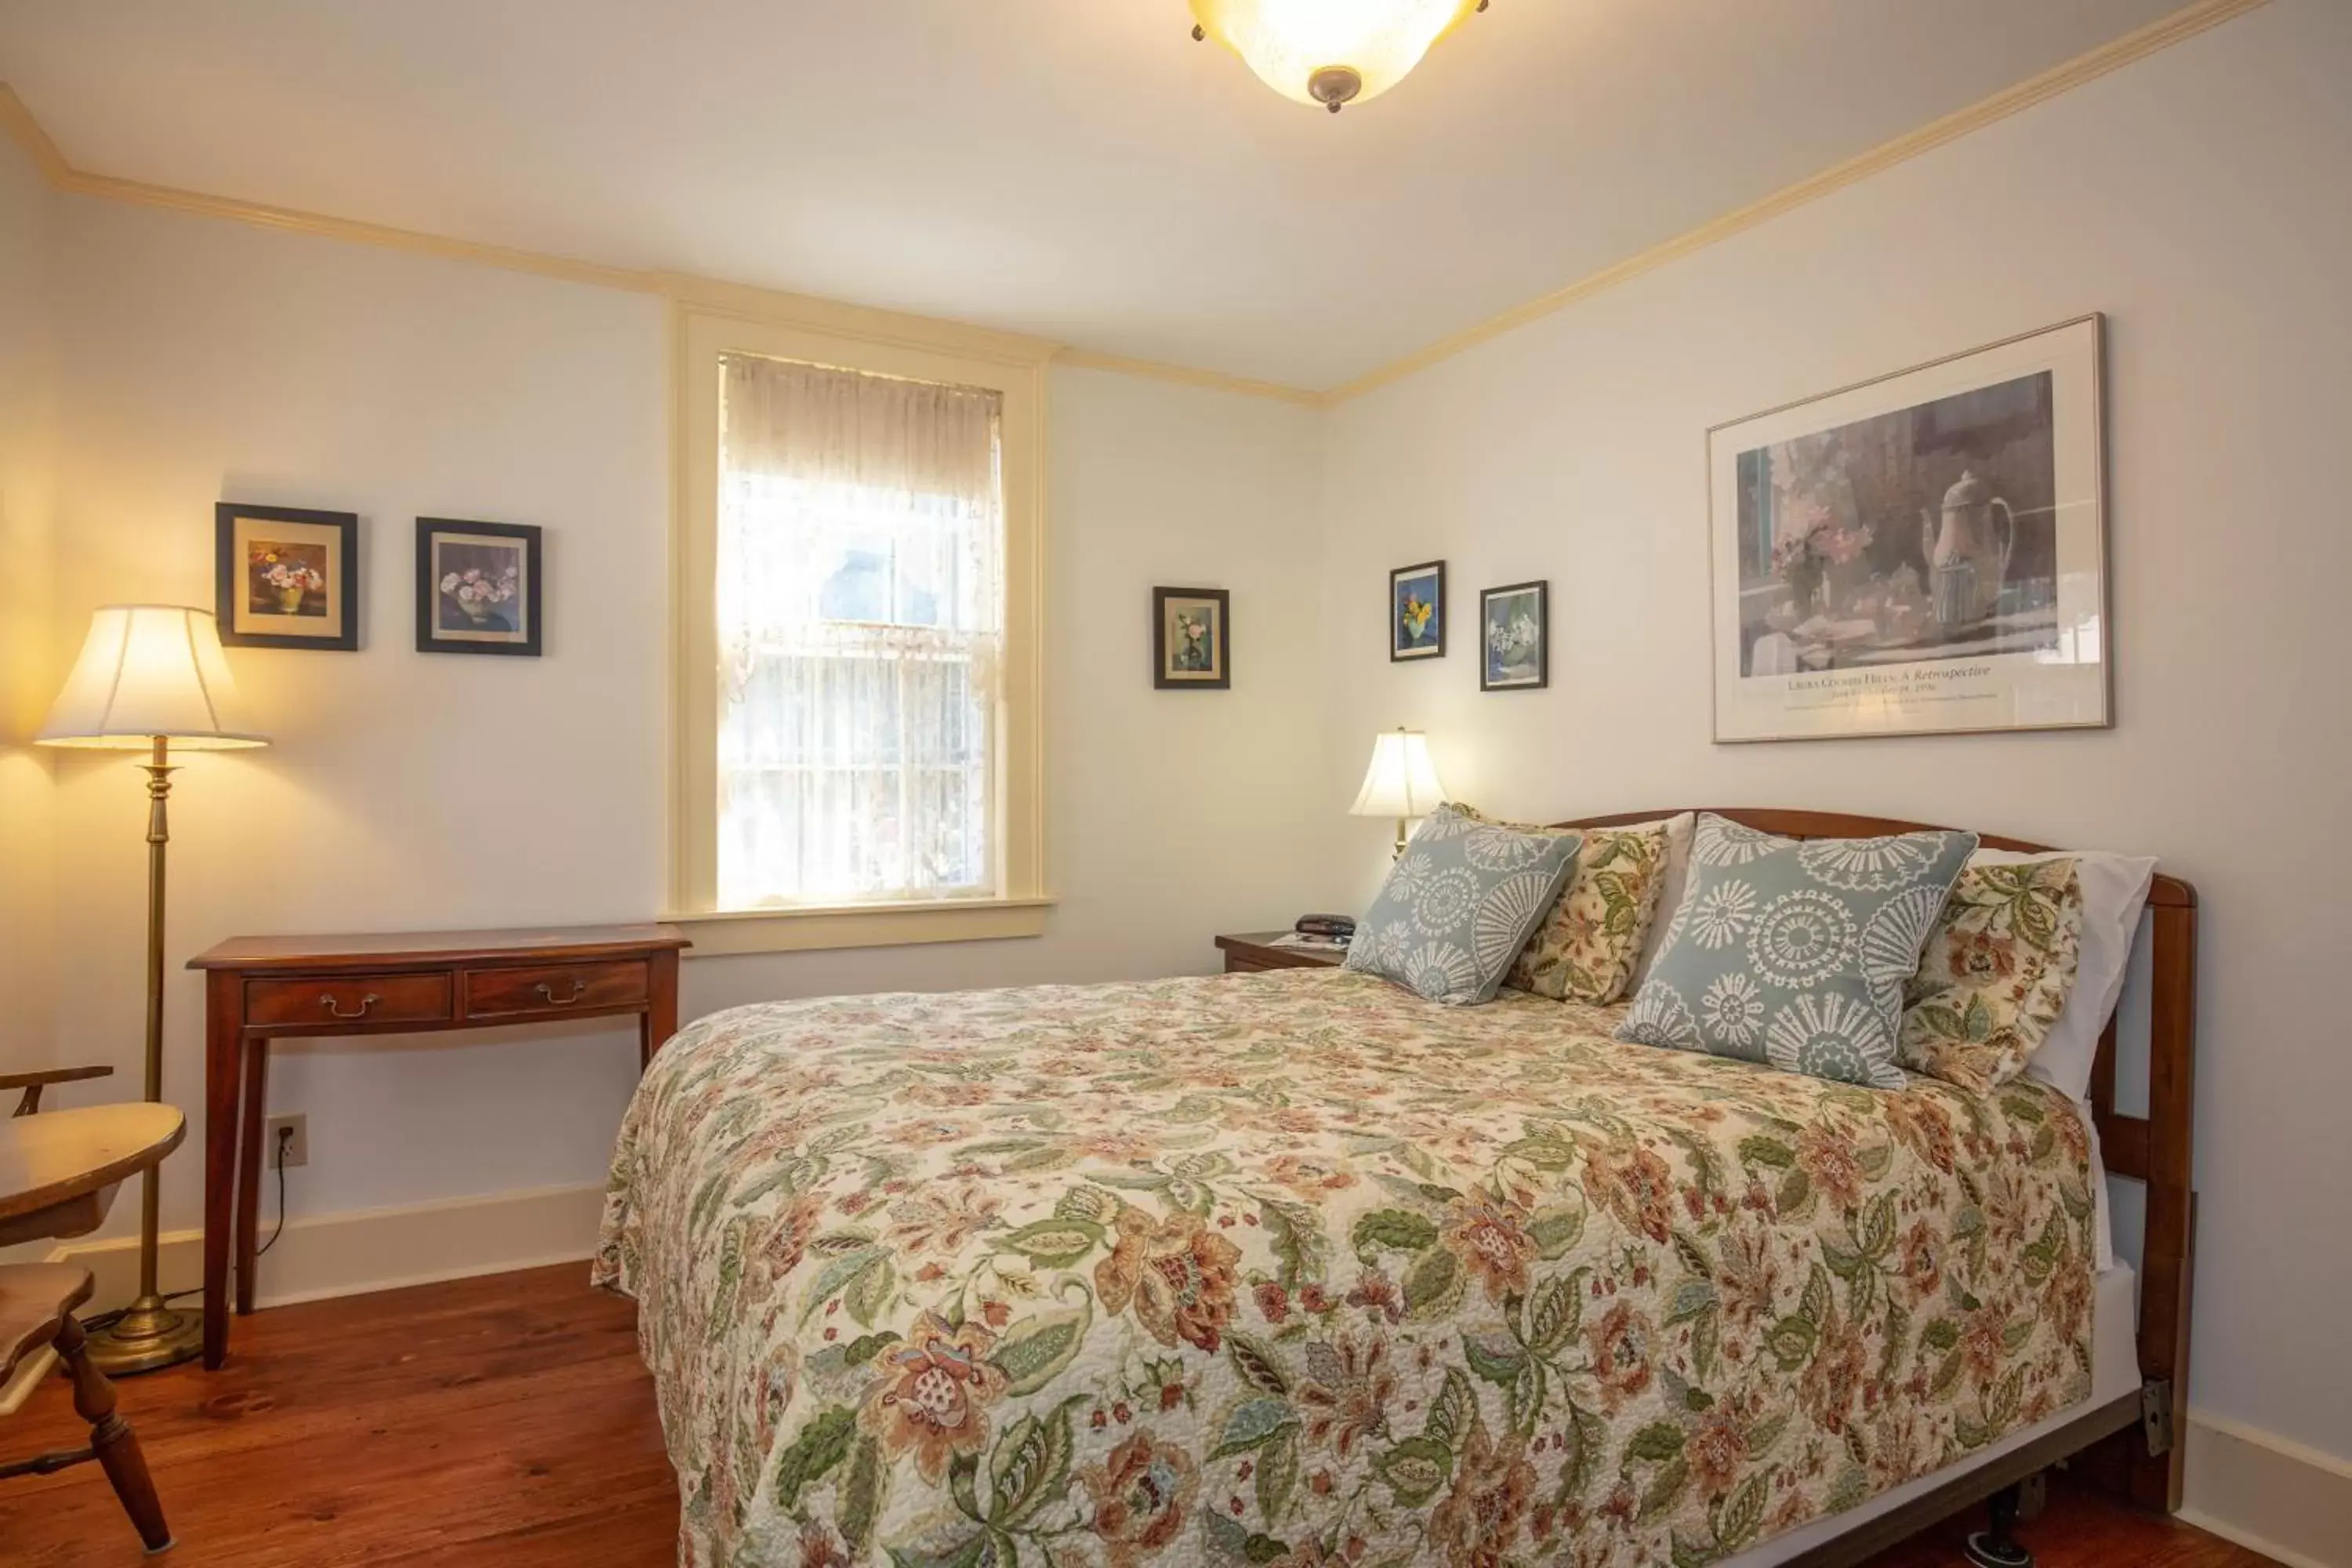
1332,52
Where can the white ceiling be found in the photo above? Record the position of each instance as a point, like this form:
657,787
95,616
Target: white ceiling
1077,169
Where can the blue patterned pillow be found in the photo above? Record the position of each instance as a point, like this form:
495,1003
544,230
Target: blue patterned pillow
1458,905
1795,952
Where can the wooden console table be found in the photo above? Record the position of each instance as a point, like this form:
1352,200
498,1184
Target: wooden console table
260,988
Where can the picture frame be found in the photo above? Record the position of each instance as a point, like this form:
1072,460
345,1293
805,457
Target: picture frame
1191,639
1921,553
286,577
1416,612
1515,636
478,588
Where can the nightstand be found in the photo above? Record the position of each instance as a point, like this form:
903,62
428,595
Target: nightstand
1250,952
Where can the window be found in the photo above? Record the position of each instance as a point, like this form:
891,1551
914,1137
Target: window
861,519
858,728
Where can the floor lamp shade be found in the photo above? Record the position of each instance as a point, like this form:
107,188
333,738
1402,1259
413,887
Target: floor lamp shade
149,671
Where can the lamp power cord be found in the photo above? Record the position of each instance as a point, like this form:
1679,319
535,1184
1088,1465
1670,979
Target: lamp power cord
278,1161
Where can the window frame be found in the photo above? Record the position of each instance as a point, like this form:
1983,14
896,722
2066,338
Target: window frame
1016,373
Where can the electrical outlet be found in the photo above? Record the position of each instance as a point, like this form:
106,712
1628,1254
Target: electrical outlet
294,1134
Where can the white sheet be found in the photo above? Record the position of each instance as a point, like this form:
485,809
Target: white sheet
2115,1372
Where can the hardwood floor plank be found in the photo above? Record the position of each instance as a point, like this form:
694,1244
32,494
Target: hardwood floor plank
507,1421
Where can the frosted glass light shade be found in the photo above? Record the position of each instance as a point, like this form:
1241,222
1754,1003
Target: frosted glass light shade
1402,781
147,671
1307,49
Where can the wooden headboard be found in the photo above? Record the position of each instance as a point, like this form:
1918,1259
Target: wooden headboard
2152,1149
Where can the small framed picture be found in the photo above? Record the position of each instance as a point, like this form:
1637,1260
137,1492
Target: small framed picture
1191,639
477,587
1417,612
1515,635
284,577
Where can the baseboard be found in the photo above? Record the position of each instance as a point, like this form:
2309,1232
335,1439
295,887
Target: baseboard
371,1250
2269,1494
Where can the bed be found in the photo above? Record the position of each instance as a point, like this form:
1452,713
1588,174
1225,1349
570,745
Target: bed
1297,1268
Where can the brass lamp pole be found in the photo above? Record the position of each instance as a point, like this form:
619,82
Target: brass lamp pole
148,675
151,1333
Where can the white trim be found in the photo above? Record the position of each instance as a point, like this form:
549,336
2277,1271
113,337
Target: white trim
2064,76
2286,1557
349,1254
2195,17
2270,1494
806,930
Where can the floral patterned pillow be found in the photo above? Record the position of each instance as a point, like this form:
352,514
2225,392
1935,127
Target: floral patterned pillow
1591,939
1586,948
1995,973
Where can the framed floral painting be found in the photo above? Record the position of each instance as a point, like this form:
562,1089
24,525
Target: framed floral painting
1191,639
286,577
1924,553
478,587
1417,612
1515,636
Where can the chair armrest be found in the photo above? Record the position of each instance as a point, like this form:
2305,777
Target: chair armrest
32,1083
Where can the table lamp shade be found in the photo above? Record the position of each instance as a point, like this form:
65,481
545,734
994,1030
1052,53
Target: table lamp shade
1402,781
147,671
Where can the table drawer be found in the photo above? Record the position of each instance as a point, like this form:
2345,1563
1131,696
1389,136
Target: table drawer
349,999
554,988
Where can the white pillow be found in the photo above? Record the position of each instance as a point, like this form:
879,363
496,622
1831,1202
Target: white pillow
1670,891
2114,890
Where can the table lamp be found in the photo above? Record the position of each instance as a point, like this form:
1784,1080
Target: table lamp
151,677
1401,782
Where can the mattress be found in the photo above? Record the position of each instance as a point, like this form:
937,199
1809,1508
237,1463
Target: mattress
1298,1267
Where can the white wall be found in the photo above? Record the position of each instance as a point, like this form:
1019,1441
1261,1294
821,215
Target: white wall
206,361
2199,199
26,448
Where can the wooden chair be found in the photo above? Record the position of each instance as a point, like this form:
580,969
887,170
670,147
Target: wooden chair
57,1178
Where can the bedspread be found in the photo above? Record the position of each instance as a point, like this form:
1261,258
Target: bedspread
1294,1268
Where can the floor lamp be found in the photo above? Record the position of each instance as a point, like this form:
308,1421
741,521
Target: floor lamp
151,677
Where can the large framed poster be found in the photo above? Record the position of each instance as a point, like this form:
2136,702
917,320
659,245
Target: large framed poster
1922,555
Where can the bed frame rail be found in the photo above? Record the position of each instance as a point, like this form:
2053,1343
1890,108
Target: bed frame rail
2155,1150
2130,1448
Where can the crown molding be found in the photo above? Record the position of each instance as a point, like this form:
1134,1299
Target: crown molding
26,132
2160,34
831,315
745,300
862,323
1087,358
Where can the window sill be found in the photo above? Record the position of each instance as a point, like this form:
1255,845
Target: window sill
817,928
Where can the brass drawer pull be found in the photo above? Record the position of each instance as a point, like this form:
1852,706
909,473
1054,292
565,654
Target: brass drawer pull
579,989
327,1000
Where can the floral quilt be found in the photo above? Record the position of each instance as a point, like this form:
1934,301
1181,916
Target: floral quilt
1297,1268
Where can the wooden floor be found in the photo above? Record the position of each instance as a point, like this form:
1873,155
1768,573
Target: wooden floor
507,1421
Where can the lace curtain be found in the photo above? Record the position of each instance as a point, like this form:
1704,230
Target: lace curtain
861,626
